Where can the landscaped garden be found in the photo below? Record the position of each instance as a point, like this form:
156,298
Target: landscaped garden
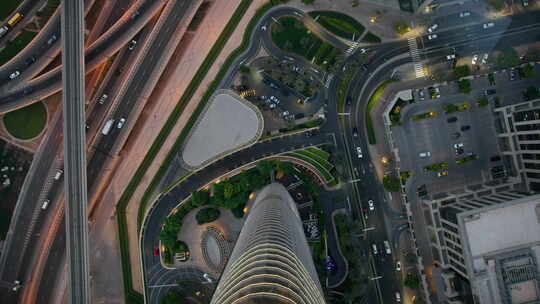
373,100
317,158
291,35
27,122
339,24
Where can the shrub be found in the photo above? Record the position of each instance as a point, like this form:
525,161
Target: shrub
412,281
462,71
207,215
464,86
391,184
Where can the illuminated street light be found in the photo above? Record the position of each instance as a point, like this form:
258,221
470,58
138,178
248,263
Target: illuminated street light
251,195
373,19
384,160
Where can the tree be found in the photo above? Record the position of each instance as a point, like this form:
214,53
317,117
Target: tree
200,198
482,101
527,71
207,215
264,167
173,297
412,281
401,28
308,1
507,58
464,86
391,184
462,71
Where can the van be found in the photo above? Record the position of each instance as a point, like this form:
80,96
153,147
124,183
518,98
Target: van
424,154
45,204
58,174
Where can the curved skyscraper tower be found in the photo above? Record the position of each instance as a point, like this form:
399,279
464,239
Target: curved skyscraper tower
271,261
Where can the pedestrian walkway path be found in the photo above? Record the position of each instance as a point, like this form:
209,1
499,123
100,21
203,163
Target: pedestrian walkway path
415,54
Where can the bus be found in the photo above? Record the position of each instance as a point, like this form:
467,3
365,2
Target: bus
107,127
15,19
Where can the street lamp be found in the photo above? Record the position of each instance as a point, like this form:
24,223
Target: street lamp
373,19
384,160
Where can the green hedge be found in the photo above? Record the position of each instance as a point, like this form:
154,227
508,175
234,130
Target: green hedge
339,24
131,295
326,174
325,163
321,153
372,139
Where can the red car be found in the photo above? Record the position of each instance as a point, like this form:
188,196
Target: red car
156,251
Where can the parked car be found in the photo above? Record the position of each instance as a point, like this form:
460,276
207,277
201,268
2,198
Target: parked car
442,173
432,36
398,266
488,25
455,135
458,145
474,59
465,128
371,205
451,119
490,92
432,28
464,14
451,56
485,58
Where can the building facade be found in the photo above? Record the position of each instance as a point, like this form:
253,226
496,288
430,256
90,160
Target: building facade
519,138
271,261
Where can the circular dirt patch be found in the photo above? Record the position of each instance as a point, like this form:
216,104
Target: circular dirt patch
26,123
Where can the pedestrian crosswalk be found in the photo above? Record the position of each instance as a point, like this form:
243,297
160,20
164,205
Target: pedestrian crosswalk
415,54
352,48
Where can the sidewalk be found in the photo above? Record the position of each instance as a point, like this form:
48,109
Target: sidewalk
153,117
387,14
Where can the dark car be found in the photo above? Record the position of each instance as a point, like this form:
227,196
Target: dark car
355,132
364,67
465,128
349,100
490,92
513,74
30,60
495,158
456,135
452,119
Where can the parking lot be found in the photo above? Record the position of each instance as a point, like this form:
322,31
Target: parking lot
431,140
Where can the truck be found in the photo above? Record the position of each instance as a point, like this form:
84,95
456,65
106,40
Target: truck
15,19
107,127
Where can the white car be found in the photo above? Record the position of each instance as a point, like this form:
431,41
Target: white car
464,14
45,204
387,248
14,75
451,56
424,154
263,27
398,266
374,247
488,25
359,152
371,205
474,59
273,106
121,123
274,99
432,28
398,296
103,98
432,36
485,58
458,145
363,51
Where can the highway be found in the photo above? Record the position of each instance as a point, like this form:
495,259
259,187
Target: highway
75,151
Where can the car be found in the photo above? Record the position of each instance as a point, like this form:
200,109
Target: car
363,51
485,58
451,119
398,266
272,105
432,28
134,15
30,60
349,100
182,256
458,145
3,30
434,92
490,92
284,113
442,173
464,14
45,204
132,44
371,205
329,263
374,248
121,123
207,277
14,75
103,98
525,2
387,248
488,25
421,94
474,59
273,98
263,27
432,36
156,251
465,128
513,74
364,67
424,154
451,56
495,158
398,296
355,132
455,135
52,39
58,174
359,152
459,151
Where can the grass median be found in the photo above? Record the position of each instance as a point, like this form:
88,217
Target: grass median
15,46
373,100
131,295
26,123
